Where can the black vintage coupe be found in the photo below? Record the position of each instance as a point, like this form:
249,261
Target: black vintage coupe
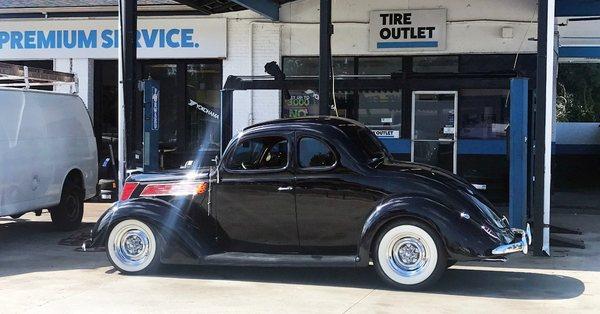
314,191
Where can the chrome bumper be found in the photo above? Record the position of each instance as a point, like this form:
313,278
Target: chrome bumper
521,246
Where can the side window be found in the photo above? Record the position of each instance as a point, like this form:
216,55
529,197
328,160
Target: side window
262,153
313,153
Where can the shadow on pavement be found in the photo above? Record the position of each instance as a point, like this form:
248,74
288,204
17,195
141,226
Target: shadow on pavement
509,285
33,246
463,282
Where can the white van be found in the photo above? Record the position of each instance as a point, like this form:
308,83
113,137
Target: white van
48,157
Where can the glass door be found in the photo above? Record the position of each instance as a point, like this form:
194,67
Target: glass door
190,110
434,128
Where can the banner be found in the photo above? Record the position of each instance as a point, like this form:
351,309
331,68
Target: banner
99,38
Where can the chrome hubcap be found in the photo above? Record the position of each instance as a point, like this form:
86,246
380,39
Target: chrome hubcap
132,246
407,255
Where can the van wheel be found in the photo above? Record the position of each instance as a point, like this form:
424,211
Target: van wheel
409,255
67,215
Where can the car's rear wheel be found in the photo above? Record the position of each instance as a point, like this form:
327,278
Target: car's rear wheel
133,247
67,215
409,255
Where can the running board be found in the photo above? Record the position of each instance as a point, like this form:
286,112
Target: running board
280,260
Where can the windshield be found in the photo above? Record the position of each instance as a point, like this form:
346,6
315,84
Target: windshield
367,141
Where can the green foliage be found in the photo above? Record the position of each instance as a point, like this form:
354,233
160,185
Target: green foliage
578,92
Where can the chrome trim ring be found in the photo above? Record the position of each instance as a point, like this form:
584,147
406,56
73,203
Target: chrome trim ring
131,245
407,254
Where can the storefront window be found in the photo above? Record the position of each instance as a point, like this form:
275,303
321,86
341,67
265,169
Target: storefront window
382,109
379,65
203,110
483,113
303,103
309,66
345,101
435,64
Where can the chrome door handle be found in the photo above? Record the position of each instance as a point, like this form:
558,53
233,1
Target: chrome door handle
285,188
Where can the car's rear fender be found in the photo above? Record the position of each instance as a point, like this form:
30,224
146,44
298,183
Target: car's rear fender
463,238
175,228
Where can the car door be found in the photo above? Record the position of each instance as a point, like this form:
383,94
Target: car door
331,202
255,203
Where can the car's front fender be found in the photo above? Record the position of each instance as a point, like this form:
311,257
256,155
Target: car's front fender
462,237
175,228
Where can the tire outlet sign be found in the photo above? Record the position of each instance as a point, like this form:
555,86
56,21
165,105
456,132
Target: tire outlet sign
387,133
401,30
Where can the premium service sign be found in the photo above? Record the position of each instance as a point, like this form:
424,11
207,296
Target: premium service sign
400,30
99,38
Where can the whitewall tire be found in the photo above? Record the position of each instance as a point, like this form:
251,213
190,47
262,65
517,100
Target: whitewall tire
133,247
409,255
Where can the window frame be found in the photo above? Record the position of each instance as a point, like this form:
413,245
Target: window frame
299,136
239,141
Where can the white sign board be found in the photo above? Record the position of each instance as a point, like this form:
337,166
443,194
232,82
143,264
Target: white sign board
387,133
99,38
401,30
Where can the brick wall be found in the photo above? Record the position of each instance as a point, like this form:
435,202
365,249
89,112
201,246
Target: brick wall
250,45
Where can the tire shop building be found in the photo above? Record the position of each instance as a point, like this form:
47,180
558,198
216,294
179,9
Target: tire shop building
437,80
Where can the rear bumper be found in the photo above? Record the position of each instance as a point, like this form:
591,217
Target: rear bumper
521,245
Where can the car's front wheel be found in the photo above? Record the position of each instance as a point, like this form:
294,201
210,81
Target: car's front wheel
409,255
133,247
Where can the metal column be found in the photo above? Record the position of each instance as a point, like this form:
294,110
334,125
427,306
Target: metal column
543,128
517,200
226,118
126,88
325,31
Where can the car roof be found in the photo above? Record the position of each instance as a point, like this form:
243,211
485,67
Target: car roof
304,121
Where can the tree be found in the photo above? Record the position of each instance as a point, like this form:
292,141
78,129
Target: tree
578,92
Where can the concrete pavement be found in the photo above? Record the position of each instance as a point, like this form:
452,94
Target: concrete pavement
37,274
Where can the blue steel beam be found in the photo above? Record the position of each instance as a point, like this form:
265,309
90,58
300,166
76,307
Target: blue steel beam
267,8
517,199
577,8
